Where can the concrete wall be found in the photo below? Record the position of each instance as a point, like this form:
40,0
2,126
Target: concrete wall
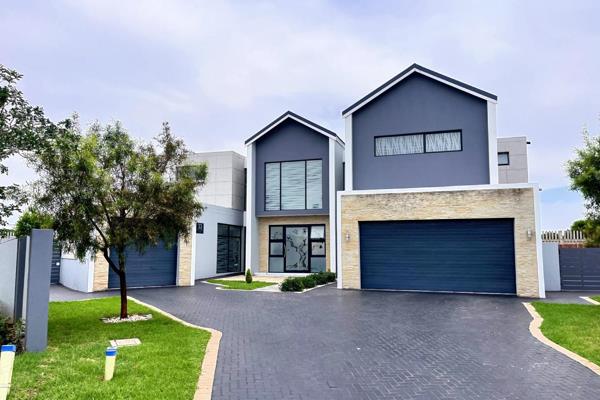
225,185
517,203
8,273
290,141
77,275
517,171
420,104
205,261
551,266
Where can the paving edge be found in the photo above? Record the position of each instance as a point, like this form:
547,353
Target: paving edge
534,328
589,300
209,364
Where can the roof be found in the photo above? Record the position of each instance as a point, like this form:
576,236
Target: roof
416,68
293,116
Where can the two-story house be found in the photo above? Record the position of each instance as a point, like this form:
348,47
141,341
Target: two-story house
294,171
422,207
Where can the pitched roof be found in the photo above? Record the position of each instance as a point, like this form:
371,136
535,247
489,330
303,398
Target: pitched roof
290,115
416,68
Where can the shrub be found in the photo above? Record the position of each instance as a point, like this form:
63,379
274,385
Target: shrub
292,284
322,278
309,281
248,276
12,332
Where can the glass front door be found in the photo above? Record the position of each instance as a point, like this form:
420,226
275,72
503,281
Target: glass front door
296,249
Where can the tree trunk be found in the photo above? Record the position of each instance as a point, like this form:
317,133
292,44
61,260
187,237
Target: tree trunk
123,284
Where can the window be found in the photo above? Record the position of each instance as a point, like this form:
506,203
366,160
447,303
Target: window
297,248
229,248
417,143
294,185
503,158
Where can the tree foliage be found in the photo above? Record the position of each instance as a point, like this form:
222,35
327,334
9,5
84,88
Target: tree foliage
32,219
107,193
584,171
23,128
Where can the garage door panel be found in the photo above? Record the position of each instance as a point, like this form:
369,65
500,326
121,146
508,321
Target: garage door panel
156,266
446,255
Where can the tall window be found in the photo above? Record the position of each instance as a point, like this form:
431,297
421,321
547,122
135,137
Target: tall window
297,248
416,143
294,185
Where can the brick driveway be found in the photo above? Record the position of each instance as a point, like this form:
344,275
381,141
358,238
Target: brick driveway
332,344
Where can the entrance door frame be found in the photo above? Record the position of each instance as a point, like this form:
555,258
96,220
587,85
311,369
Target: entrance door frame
310,255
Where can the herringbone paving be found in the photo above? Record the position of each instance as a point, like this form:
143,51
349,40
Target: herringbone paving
333,344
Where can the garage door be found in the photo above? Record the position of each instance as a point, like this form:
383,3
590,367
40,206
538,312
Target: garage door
440,255
157,266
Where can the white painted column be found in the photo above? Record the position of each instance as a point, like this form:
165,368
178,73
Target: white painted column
251,222
332,205
492,142
538,241
348,179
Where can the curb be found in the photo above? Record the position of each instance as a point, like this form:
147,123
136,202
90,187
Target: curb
589,300
534,328
220,286
209,364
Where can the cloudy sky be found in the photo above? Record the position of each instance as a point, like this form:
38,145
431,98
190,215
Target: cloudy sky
218,71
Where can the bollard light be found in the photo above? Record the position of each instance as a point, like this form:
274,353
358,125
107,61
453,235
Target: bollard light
7,359
109,365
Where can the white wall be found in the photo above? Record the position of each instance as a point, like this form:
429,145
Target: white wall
551,266
517,171
225,182
206,243
8,270
76,275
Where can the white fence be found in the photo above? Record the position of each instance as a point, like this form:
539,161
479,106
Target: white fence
564,237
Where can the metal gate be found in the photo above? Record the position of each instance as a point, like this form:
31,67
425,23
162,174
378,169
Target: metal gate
579,268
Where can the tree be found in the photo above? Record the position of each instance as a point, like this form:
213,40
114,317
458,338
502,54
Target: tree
107,193
23,128
32,219
584,171
578,225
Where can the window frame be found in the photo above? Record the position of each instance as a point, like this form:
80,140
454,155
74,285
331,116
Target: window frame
310,242
228,237
507,158
424,139
280,183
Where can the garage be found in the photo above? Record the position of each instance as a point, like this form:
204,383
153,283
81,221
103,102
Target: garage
468,255
156,266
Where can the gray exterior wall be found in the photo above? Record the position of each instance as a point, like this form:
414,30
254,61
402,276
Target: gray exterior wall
290,141
551,266
517,170
8,272
420,104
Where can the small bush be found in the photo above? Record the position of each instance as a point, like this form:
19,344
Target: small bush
248,276
323,277
12,332
292,284
309,281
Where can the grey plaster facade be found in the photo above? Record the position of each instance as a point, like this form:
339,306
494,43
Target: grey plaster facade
419,104
290,141
517,170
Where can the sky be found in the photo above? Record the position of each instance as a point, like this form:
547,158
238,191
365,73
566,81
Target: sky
218,71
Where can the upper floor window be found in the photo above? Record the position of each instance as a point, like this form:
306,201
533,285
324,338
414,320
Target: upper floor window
503,158
416,143
294,185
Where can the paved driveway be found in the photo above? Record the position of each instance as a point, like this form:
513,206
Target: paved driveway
332,344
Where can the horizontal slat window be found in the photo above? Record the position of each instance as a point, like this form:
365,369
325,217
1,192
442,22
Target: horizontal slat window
272,186
314,185
443,141
417,143
293,185
392,145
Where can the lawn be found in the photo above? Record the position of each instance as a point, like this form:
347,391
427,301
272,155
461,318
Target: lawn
573,326
597,298
240,285
166,364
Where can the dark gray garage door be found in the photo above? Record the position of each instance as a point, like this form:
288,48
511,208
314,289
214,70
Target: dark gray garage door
157,266
440,255
579,268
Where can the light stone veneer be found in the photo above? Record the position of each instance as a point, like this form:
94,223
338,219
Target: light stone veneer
518,204
184,267
263,233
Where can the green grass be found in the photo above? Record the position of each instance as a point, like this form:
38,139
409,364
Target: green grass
573,326
240,285
597,298
165,365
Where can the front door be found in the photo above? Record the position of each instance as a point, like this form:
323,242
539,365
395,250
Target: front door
296,249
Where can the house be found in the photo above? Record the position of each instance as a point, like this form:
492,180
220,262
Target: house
422,207
295,168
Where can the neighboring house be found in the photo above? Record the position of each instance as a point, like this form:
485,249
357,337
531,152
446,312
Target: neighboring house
423,208
294,170
512,160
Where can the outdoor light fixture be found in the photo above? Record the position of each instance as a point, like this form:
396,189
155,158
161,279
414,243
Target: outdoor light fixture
529,234
347,236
